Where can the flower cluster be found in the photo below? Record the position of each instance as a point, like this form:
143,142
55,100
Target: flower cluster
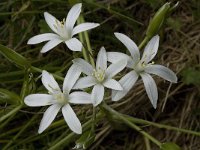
100,77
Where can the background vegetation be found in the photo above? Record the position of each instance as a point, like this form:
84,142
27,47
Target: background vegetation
178,105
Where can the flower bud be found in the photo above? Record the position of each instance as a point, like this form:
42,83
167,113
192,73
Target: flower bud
169,146
158,20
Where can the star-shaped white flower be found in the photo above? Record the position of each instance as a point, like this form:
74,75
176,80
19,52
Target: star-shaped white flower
99,77
59,100
140,67
63,31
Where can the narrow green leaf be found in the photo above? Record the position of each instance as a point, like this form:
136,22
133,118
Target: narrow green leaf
14,57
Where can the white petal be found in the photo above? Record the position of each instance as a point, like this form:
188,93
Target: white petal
80,98
97,94
127,83
151,88
83,27
115,68
84,66
85,82
71,77
49,45
48,117
72,16
42,37
130,45
74,44
101,59
114,57
51,21
162,71
39,100
71,119
151,49
49,82
112,84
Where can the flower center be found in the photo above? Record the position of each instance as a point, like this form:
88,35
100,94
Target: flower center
139,67
99,74
62,98
61,29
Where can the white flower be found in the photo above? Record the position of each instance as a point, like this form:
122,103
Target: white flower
64,31
140,67
99,77
59,100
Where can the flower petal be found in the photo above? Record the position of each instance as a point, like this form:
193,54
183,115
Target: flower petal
42,37
39,100
162,71
112,84
115,68
72,16
71,77
151,88
51,21
80,98
97,94
49,45
49,82
83,27
151,49
74,44
101,59
71,119
84,66
48,117
127,83
114,57
85,82
130,45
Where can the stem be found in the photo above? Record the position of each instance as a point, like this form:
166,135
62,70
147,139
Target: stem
72,135
89,49
20,132
93,120
130,124
145,122
85,56
146,140
40,70
143,42
10,113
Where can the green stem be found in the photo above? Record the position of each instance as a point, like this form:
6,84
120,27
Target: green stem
19,133
40,70
146,39
88,51
131,124
16,109
72,135
162,126
85,56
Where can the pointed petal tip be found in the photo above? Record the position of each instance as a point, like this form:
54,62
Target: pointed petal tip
154,106
116,33
79,132
78,4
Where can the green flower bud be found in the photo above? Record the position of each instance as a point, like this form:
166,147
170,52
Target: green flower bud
169,146
158,19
